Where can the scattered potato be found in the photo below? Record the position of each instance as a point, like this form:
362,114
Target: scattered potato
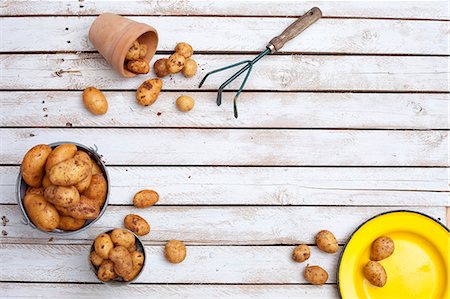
33,164
175,63
185,103
122,237
123,264
190,68
301,253
42,213
315,275
35,190
136,224
175,251
69,172
160,67
61,153
97,190
70,223
95,259
86,209
106,271
382,248
138,262
375,274
184,49
149,91
62,196
326,241
103,245
145,198
134,52
142,50
95,101
139,66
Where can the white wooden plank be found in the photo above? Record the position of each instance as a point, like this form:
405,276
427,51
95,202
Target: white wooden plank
228,34
261,110
242,146
269,185
279,72
51,290
377,9
218,225
203,264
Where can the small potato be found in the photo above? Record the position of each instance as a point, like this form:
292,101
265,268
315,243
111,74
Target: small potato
375,273
136,224
301,253
138,262
134,52
142,50
106,271
69,172
62,210
123,264
61,153
184,49
62,196
382,248
33,164
70,223
175,251
46,181
122,237
95,101
86,209
148,92
315,275
35,190
132,248
83,156
175,63
145,198
42,213
102,245
190,68
95,168
326,241
95,259
139,66
97,189
185,103
84,183
160,68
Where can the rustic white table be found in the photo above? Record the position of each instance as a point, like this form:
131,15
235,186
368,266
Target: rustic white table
350,120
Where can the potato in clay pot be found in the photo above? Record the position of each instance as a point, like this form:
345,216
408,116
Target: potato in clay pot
138,66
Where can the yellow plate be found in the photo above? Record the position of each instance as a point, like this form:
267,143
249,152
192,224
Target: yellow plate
418,268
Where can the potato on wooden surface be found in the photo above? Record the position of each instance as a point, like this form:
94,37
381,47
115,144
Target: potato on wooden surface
149,91
136,224
62,196
184,49
185,103
123,264
70,223
175,251
103,244
138,262
106,271
134,52
95,101
315,275
375,273
382,248
139,66
190,68
85,209
160,67
326,241
61,153
35,190
122,237
42,213
69,172
145,198
175,63
95,259
33,164
97,189
301,253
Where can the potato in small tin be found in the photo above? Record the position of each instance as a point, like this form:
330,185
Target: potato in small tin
123,264
61,153
62,196
149,91
86,209
95,101
35,190
97,189
326,241
190,68
69,172
175,251
62,210
42,213
106,271
103,245
160,67
184,49
70,223
315,275
145,198
136,224
138,262
95,168
122,237
175,63
33,164
95,259
46,181
139,66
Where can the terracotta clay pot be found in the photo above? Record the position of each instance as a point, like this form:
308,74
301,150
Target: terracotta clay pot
112,35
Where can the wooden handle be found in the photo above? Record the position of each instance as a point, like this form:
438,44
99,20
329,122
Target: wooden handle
295,29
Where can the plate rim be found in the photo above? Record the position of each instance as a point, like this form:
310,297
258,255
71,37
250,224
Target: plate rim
373,217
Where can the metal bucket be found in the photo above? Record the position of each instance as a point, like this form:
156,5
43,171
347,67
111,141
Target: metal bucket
139,247
21,188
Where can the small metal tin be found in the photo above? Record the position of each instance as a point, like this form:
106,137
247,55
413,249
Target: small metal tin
139,247
21,188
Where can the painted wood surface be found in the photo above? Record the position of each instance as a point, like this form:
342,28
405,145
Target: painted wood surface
278,72
373,36
218,225
242,146
359,9
269,185
257,110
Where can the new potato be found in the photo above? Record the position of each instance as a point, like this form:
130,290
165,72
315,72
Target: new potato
134,52
184,49
95,168
35,190
145,198
315,275
382,248
69,172
123,264
95,101
95,259
86,209
61,153
301,253
175,251
190,68
33,164
62,196
175,63
46,181
160,67
122,237
106,271
138,262
148,92
185,103
42,213
136,224
375,274
103,245
97,189
70,223
139,66
326,241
